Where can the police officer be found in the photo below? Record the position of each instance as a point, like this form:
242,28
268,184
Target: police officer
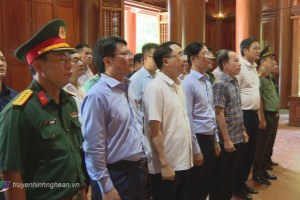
270,116
40,135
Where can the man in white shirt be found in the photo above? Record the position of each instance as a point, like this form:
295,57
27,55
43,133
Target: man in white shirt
167,126
249,85
85,52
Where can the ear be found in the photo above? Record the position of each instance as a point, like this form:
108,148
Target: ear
107,61
37,66
245,50
165,61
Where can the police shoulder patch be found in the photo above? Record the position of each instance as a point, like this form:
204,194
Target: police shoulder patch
22,99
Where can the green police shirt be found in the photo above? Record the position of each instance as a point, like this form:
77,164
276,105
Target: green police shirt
268,91
42,140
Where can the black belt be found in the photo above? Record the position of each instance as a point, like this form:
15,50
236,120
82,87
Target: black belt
126,164
253,111
206,137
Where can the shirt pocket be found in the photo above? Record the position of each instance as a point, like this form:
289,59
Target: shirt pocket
51,132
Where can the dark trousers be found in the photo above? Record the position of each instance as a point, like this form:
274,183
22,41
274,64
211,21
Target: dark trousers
130,182
225,171
170,190
273,137
247,149
201,177
263,143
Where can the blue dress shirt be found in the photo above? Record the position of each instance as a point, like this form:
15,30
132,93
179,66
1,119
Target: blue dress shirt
110,130
199,102
6,95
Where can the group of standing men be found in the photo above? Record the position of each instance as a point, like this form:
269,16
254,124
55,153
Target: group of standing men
187,137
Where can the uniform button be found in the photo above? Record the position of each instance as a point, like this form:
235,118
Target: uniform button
68,130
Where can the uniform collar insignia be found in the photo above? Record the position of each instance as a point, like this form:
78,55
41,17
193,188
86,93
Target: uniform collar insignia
42,98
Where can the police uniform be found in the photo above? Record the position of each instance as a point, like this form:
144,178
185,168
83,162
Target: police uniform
270,100
38,137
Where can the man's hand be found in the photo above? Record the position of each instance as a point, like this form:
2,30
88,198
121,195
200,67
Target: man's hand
111,195
167,173
245,137
198,159
262,124
217,149
228,146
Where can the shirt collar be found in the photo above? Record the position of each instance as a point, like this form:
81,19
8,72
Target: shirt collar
111,82
228,78
198,75
35,86
166,79
247,63
5,90
145,73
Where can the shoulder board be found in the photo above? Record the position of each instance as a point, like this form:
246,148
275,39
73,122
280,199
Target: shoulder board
70,93
22,99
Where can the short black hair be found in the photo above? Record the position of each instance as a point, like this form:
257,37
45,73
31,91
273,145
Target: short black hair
148,46
138,57
105,47
192,50
80,47
163,51
223,57
246,43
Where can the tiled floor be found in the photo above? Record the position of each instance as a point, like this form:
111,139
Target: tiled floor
287,153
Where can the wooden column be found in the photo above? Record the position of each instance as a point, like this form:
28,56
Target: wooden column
248,20
130,29
193,21
89,18
186,21
294,99
175,25
284,40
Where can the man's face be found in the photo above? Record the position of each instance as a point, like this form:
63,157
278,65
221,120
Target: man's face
176,61
3,66
149,61
56,70
200,60
122,60
252,54
269,63
77,65
86,56
233,66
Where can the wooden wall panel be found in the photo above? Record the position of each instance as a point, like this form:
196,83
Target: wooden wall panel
42,13
1,25
210,34
228,34
269,33
71,18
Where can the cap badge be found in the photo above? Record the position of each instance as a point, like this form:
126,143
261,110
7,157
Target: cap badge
62,32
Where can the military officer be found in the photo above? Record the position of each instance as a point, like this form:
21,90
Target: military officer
40,136
269,114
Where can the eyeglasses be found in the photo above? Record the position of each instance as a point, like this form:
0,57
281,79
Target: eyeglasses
125,54
179,54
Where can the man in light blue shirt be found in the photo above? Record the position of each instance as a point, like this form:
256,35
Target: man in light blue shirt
140,79
114,155
201,114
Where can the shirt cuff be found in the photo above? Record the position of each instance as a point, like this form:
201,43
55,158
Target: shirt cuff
105,184
217,137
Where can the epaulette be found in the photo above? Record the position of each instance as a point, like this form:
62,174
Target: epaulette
23,98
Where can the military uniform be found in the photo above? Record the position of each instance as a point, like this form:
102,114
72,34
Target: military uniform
270,101
40,138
